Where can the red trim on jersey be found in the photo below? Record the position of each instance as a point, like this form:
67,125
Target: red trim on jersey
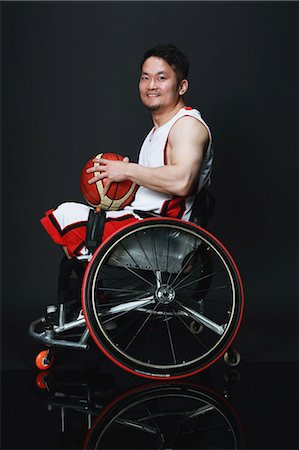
73,236
52,227
188,108
174,208
78,250
113,224
49,216
120,218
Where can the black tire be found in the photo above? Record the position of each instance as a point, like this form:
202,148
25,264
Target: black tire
150,280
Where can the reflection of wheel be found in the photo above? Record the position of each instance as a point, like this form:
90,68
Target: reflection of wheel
40,380
167,416
150,279
44,360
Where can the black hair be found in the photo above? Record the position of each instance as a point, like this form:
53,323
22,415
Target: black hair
173,56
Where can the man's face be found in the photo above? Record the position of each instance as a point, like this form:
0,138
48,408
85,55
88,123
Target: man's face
158,86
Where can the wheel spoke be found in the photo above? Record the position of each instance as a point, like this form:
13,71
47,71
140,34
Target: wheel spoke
219,329
124,290
141,327
135,305
178,251
212,288
170,338
144,253
181,271
195,281
128,306
190,332
132,271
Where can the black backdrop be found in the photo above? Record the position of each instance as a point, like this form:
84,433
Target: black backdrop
69,89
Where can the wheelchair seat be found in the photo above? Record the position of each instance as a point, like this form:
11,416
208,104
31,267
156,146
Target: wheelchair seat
202,209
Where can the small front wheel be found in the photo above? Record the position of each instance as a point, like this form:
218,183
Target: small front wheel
195,327
44,360
232,358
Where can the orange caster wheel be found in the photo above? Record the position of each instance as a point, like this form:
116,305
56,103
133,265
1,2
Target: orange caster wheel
40,380
44,360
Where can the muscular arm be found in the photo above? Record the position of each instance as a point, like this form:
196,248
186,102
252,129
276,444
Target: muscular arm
187,142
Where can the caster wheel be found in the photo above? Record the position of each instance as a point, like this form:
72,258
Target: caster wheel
42,361
232,376
195,327
40,380
232,358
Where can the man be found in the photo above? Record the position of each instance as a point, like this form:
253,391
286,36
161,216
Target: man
174,162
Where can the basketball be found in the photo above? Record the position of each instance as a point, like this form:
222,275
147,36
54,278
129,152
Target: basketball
119,194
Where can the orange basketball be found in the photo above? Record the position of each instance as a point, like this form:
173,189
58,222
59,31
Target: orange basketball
119,194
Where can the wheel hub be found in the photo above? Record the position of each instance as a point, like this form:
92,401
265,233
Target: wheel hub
165,294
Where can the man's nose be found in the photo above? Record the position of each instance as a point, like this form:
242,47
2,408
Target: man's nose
152,84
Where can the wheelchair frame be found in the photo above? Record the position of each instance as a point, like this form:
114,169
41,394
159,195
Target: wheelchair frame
181,245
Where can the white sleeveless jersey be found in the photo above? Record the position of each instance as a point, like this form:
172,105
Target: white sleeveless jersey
66,224
152,154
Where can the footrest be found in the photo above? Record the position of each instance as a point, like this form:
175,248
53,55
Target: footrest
51,340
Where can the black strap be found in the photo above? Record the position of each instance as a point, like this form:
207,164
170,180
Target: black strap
94,229
145,214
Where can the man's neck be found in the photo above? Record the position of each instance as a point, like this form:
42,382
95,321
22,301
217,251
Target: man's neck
160,118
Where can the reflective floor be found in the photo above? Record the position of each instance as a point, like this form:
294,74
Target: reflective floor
95,405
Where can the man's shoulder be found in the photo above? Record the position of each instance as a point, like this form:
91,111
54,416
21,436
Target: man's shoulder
190,111
188,122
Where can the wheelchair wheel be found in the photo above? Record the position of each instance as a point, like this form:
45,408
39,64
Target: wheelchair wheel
152,280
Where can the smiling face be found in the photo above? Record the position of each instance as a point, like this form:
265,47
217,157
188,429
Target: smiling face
158,86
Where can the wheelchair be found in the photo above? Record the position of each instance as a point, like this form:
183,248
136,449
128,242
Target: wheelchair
93,409
161,298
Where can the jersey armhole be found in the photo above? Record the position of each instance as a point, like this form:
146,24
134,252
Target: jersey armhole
196,118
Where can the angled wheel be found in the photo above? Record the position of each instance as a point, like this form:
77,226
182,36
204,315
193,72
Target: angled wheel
41,380
232,358
153,280
44,360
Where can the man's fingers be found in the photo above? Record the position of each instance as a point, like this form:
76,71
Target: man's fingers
96,169
101,160
111,170
106,187
97,177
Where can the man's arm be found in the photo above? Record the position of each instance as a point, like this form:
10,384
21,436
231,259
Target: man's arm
187,143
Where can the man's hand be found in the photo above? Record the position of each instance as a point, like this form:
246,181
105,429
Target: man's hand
185,150
113,171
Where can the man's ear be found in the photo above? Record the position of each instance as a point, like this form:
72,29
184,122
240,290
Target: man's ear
183,87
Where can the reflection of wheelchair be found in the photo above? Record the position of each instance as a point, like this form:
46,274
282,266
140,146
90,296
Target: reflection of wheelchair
162,415
161,298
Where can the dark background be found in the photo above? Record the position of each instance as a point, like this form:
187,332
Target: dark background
69,89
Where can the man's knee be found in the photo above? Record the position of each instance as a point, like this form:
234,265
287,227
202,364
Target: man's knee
68,213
